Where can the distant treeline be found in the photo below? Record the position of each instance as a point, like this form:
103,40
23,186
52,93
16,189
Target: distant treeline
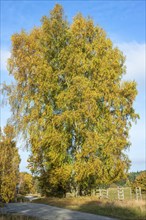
132,175
133,180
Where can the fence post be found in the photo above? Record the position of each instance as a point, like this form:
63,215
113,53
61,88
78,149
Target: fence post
120,193
138,193
103,193
130,193
100,193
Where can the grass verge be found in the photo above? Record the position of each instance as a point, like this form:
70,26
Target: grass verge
127,210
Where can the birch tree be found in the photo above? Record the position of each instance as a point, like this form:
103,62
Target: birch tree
70,102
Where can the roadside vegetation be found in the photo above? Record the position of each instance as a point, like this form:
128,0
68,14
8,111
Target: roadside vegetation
9,164
127,209
16,217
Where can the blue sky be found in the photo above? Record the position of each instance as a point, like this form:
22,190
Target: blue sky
124,22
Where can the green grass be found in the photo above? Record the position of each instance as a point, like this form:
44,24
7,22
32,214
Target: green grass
113,195
1,204
127,209
16,217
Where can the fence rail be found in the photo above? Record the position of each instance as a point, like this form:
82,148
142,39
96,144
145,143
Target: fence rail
119,193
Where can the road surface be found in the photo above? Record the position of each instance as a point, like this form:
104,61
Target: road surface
48,212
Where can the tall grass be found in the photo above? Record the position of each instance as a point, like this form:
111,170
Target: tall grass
127,209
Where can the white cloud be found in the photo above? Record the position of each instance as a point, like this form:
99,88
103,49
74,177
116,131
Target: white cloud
137,165
137,151
135,60
4,57
135,63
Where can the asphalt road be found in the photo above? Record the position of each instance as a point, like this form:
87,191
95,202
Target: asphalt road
48,212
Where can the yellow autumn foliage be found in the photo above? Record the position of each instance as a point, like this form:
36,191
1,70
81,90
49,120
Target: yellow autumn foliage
71,103
9,165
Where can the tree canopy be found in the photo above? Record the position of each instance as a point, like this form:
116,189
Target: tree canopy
70,102
9,164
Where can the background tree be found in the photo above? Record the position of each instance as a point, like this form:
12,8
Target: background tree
9,164
132,176
71,104
26,183
140,181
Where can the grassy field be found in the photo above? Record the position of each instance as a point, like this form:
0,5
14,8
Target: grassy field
128,194
126,209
